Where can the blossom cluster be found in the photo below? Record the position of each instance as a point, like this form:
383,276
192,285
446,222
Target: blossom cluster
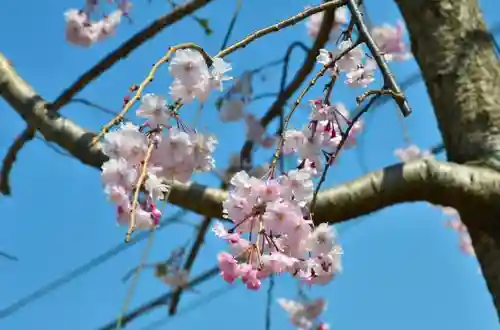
329,126
193,78
304,314
164,151
410,153
282,237
176,155
358,67
81,30
454,222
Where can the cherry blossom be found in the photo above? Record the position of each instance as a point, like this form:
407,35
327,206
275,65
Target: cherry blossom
454,222
313,24
363,75
328,124
352,60
410,153
82,31
390,41
271,212
176,155
154,107
272,230
257,133
232,110
175,278
303,315
192,77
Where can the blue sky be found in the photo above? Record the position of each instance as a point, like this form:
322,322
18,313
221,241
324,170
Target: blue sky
402,267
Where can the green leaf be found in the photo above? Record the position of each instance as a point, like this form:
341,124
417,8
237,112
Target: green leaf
204,24
218,103
161,270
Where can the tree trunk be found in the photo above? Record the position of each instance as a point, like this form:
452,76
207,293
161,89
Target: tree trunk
455,52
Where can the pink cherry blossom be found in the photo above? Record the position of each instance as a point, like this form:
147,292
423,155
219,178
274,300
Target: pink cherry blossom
411,153
230,270
313,23
390,41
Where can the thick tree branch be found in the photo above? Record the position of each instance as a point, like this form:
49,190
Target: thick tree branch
426,180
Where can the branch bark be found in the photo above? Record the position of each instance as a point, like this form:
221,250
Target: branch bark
425,180
455,52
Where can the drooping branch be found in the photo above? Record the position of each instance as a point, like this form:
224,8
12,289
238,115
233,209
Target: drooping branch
307,66
102,66
426,180
126,48
11,156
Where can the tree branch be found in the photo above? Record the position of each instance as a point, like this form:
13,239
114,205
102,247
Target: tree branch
195,249
425,180
161,300
106,63
11,157
301,75
126,48
439,183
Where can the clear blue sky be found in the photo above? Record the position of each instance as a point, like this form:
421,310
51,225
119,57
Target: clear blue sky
402,267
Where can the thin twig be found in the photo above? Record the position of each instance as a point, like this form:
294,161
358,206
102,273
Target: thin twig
323,70
331,158
198,243
389,80
192,306
8,256
94,105
232,24
138,186
269,301
135,280
281,25
11,157
161,300
84,269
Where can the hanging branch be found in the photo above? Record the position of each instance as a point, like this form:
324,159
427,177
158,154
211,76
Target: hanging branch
301,75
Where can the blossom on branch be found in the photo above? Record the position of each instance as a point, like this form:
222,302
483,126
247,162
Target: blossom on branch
281,237
192,77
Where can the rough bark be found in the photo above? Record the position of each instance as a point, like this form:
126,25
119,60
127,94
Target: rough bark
454,50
